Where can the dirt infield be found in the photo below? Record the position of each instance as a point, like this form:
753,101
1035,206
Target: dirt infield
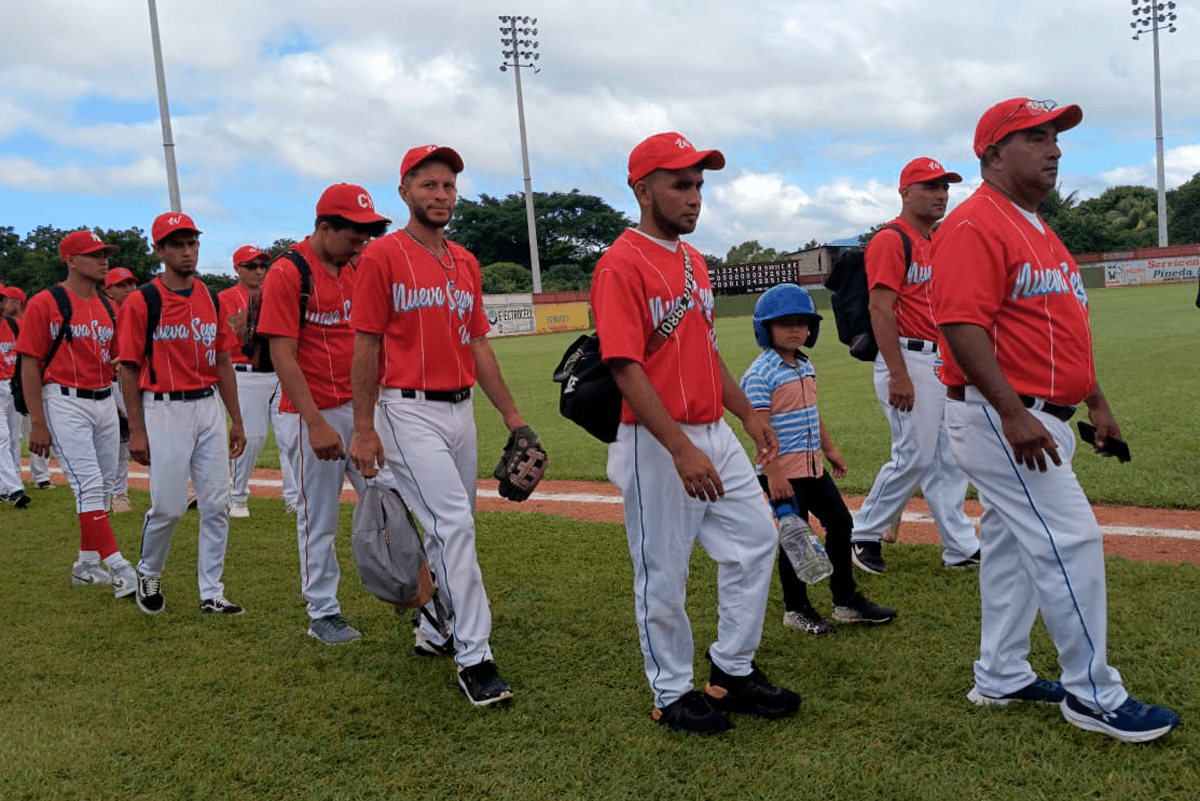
1152,535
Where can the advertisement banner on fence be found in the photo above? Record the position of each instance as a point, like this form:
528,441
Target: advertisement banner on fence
1168,270
509,314
555,317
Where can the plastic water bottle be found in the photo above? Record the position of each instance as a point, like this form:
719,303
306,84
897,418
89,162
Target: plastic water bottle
802,547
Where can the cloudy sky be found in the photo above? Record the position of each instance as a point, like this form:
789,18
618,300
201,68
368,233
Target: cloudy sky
815,105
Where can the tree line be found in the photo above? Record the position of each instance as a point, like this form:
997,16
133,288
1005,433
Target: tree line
573,229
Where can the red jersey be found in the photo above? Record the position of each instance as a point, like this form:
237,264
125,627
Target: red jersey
636,284
325,344
8,350
82,361
994,268
234,301
187,340
886,268
428,313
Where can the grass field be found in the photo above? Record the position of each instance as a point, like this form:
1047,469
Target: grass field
99,701
102,702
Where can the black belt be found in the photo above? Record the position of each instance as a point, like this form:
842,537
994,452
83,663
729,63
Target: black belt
185,395
1063,413
445,396
919,345
243,368
87,394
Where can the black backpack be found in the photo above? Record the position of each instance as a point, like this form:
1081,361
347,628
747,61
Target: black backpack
851,299
153,300
64,332
258,348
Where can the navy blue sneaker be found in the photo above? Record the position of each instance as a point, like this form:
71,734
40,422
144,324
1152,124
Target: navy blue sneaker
1131,722
1039,691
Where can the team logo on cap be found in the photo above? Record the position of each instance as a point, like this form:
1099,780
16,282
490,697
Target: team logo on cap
683,144
174,220
933,165
95,238
364,201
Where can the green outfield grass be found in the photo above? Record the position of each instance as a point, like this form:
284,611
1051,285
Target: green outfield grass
101,702
1145,340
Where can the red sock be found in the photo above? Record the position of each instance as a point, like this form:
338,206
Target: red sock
96,533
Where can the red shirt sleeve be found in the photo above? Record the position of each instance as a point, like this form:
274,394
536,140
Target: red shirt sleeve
884,259
34,339
372,292
617,303
281,301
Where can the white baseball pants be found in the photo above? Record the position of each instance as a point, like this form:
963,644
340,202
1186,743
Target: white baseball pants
1042,551
920,456
320,484
258,397
39,466
10,443
432,453
187,439
86,436
663,523
287,434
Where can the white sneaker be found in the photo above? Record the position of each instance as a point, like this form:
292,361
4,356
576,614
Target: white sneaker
238,509
290,510
124,581
89,573
120,504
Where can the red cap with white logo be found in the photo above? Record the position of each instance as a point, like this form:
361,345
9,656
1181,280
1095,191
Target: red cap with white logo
248,253
349,201
921,171
80,243
415,157
670,151
118,275
168,223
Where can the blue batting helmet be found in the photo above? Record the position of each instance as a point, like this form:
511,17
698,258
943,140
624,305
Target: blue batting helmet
779,301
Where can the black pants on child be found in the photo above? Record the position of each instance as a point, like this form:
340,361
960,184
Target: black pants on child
820,498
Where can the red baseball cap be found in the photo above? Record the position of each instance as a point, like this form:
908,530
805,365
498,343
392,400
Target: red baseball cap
118,275
669,151
81,243
920,171
248,253
168,223
350,201
414,158
14,293
1021,114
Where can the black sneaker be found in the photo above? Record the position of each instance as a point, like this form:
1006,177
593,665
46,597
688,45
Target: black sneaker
691,713
482,685
866,556
18,499
966,564
45,485
751,693
220,606
860,610
149,594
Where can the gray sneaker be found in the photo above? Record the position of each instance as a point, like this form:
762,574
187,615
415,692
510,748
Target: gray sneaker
124,581
89,573
333,630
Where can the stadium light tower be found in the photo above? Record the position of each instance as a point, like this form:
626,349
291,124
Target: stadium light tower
516,49
1154,17
164,112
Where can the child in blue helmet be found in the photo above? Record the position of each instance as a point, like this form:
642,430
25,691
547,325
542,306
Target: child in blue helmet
781,383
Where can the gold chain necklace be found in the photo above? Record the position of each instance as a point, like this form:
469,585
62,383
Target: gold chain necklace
429,250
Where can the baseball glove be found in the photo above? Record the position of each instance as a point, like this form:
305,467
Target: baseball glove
522,465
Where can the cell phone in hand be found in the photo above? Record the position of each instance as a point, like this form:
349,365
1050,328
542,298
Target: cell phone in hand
1112,445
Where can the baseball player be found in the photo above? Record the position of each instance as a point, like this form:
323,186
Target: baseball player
906,385
420,346
11,488
312,356
682,472
118,285
258,390
39,466
69,396
1011,305
176,422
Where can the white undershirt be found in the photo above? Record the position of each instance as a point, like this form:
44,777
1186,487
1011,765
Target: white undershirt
670,244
